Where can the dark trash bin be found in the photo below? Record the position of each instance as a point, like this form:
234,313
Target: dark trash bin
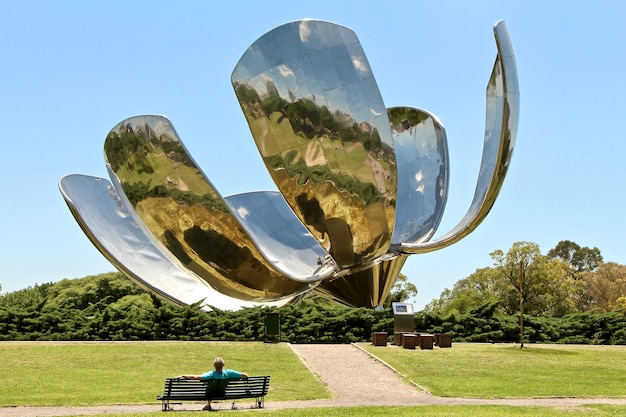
379,338
272,327
409,340
443,340
426,341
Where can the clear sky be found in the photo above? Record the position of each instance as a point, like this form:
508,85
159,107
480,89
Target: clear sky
71,70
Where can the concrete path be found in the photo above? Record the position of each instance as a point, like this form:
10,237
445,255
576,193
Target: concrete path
355,378
380,385
352,376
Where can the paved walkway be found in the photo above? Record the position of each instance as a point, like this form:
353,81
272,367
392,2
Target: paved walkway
335,365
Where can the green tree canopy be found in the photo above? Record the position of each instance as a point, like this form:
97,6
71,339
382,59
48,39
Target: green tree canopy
606,287
556,284
546,285
401,291
581,259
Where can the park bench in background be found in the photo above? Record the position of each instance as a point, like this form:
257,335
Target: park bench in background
177,389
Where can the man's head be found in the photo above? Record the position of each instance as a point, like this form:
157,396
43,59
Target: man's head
218,363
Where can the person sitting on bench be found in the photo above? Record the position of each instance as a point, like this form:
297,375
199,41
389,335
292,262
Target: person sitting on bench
218,373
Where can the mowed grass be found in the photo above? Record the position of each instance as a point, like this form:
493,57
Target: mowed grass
503,371
88,373
422,411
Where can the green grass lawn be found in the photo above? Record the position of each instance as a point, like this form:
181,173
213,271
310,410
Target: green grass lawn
492,371
65,373
90,373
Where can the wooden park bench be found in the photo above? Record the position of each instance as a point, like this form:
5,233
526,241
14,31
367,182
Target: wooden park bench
177,389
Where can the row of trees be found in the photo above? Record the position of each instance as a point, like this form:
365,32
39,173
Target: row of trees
569,279
111,307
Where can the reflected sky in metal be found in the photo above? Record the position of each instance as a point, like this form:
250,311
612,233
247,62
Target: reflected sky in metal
119,235
423,173
500,133
183,210
280,235
319,122
361,187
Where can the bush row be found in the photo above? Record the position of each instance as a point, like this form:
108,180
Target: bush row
142,316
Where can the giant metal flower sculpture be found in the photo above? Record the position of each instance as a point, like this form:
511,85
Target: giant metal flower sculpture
361,186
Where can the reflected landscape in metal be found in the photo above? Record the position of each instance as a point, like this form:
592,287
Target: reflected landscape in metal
360,186
150,166
119,235
319,122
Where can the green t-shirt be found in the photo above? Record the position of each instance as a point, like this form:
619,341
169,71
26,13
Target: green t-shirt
216,381
225,374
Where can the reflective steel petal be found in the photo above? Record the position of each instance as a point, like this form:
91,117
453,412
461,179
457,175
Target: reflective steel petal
119,235
279,234
365,288
150,166
319,122
422,159
421,147
500,132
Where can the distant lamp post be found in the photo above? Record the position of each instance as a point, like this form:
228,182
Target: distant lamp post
521,303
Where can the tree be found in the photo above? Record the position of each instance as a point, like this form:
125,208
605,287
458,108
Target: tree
439,306
401,291
606,287
579,258
483,286
547,283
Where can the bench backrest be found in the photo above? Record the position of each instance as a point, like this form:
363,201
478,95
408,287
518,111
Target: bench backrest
254,386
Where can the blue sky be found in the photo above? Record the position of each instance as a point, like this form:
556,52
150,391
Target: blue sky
71,70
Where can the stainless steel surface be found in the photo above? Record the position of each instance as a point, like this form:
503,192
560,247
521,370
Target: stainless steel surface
364,288
361,187
500,133
120,236
319,122
149,165
423,173
279,234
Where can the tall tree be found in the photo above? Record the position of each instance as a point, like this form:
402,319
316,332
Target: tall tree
547,283
606,288
579,258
